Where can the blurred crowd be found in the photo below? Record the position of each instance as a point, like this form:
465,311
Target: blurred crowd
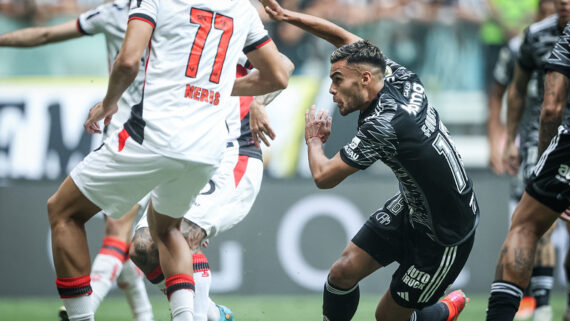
436,38
509,15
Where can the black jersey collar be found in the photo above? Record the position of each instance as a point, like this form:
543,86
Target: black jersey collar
371,108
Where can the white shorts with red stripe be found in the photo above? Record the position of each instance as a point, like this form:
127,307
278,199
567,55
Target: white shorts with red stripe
228,196
121,172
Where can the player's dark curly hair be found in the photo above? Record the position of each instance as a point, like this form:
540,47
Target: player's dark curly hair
362,51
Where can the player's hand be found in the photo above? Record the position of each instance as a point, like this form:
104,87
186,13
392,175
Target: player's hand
259,124
511,160
326,129
96,114
316,124
273,9
565,216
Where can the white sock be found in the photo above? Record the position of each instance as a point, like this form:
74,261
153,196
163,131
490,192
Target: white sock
213,311
79,308
131,282
104,271
202,279
182,304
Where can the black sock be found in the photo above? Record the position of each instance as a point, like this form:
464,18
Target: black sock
436,312
338,304
541,283
504,301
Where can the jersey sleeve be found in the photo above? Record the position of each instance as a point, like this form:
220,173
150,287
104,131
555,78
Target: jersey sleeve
257,36
96,20
144,10
376,139
559,59
503,71
525,59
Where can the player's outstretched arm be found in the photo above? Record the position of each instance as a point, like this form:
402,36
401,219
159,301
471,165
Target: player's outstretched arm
495,129
258,121
516,97
556,89
126,66
37,36
271,74
123,73
320,27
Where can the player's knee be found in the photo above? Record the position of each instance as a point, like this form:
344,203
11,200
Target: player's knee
340,274
55,211
193,234
528,230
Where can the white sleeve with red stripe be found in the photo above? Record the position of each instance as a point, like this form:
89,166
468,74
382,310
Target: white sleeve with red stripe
144,10
257,35
95,20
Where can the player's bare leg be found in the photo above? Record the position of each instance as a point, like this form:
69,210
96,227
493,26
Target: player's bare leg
341,293
68,210
145,255
531,220
566,316
542,278
176,263
112,264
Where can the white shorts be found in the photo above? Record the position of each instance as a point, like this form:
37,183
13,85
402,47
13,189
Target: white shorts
116,180
228,196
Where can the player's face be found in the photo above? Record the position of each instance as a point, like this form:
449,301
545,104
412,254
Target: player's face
545,9
346,87
563,10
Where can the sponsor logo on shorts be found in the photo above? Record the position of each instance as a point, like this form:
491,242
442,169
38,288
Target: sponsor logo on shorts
415,278
383,218
564,174
404,295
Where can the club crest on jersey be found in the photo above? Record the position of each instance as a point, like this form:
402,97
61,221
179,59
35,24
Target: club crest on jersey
383,218
354,143
200,94
416,98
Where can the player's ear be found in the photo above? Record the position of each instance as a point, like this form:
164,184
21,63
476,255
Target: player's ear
366,77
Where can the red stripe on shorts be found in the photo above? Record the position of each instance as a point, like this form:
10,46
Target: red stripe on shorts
123,135
239,169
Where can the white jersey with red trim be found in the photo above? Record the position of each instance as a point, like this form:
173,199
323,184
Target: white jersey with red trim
111,19
190,73
234,118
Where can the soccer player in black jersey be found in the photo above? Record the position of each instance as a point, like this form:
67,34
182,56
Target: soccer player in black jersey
428,226
547,193
533,44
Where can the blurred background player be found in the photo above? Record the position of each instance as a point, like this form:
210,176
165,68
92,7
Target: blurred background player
538,41
547,193
395,123
224,201
527,139
180,146
111,263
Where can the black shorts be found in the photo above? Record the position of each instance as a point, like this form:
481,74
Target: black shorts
426,267
550,182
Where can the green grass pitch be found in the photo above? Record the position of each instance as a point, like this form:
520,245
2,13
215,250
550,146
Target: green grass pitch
245,308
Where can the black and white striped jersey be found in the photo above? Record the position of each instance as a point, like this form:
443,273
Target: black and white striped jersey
559,60
539,41
402,130
503,74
